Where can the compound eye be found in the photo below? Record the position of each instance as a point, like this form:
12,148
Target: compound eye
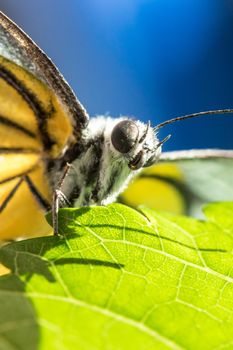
124,136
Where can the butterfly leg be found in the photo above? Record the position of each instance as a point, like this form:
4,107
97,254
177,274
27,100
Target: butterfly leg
59,200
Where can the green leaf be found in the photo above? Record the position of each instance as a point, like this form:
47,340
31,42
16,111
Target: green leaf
119,279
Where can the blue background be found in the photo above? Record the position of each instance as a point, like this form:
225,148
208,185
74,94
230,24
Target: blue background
151,59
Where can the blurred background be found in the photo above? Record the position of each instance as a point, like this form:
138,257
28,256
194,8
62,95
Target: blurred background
150,59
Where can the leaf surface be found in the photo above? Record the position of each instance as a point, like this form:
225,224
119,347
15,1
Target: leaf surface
119,279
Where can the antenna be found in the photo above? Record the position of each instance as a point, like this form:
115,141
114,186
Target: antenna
193,115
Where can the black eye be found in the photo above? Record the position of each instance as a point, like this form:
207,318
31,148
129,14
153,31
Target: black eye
124,136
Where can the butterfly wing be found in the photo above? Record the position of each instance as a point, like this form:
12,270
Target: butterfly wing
22,214
160,187
39,118
183,181
19,48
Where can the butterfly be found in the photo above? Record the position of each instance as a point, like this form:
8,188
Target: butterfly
44,127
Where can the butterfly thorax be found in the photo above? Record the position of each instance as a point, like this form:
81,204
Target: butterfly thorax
99,172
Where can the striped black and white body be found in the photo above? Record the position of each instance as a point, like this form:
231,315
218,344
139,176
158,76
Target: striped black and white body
99,171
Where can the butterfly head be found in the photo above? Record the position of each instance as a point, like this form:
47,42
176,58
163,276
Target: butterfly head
137,142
